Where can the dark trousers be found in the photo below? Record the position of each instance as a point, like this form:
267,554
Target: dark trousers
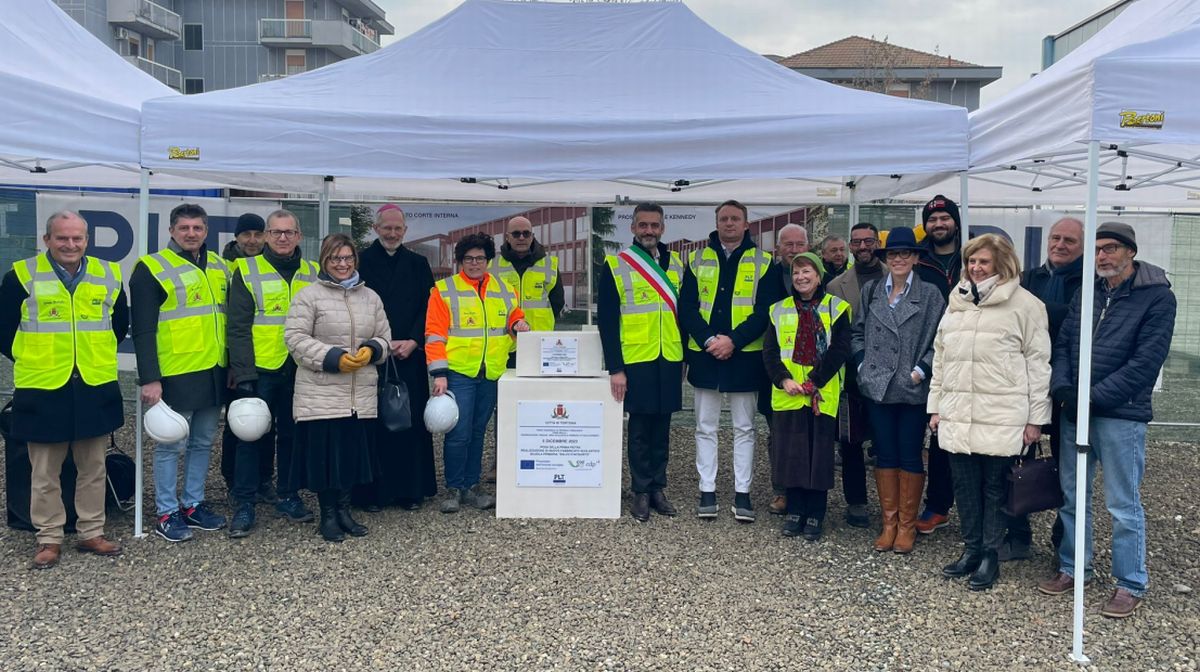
229,443
854,473
939,485
979,486
899,436
277,389
649,449
1018,527
807,503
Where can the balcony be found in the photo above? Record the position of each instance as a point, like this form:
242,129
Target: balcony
337,36
145,17
269,78
165,74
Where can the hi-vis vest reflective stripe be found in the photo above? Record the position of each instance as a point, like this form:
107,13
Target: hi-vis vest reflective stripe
478,327
648,327
272,298
706,266
784,320
533,288
61,331
191,322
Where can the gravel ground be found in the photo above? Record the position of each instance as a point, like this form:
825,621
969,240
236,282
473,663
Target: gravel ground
427,591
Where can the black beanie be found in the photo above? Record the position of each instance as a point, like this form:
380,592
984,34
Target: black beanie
940,203
249,222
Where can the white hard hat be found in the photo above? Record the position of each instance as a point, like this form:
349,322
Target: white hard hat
164,425
441,413
249,418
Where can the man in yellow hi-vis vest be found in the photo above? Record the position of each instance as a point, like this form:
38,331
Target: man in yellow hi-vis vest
260,293
725,315
177,302
62,315
643,352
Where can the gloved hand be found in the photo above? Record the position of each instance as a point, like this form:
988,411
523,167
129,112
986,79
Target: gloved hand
810,390
350,363
247,388
362,356
373,348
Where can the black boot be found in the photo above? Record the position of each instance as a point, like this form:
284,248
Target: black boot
329,528
988,572
347,523
967,563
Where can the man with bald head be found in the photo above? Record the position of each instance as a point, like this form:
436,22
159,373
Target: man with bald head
1055,283
524,264
62,314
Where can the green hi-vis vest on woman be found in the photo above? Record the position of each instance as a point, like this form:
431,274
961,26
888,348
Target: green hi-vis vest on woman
478,326
706,266
785,319
533,288
191,322
648,325
61,331
272,298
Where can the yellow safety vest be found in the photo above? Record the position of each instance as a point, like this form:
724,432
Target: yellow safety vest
191,322
62,331
533,288
272,298
785,319
706,266
478,326
648,326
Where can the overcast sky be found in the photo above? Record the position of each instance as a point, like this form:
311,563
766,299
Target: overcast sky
1006,33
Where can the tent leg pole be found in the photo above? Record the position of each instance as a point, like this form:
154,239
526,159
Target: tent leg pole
1083,417
143,247
853,216
591,271
323,209
964,209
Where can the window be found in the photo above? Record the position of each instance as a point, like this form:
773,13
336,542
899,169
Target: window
295,61
193,85
193,36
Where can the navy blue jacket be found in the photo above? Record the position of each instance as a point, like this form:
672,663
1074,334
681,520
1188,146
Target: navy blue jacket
1131,336
1037,280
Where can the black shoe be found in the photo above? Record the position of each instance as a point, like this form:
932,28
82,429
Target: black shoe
1014,549
967,562
346,522
743,509
243,521
370,508
988,572
640,508
857,516
707,508
329,528
410,504
658,502
792,526
812,529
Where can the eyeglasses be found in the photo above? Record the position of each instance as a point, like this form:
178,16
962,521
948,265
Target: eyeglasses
864,242
900,254
283,233
1111,248
473,259
521,234
348,259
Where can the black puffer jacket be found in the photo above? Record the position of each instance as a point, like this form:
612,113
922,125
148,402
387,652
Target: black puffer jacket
1132,331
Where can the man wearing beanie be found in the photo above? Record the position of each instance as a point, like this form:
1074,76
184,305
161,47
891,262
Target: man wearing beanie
248,238
940,266
1134,320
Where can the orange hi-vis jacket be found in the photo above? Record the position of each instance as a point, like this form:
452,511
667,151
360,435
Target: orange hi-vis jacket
469,325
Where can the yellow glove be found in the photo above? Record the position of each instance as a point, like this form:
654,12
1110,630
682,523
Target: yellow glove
363,356
349,364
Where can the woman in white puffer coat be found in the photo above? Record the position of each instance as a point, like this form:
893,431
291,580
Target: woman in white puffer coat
989,394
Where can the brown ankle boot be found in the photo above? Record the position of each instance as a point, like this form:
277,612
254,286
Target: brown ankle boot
911,488
888,483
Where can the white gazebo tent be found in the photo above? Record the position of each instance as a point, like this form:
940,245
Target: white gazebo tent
1117,121
554,103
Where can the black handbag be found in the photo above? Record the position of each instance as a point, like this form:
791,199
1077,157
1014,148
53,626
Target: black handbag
1033,484
395,412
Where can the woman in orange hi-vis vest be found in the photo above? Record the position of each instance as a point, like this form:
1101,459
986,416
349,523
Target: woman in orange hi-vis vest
470,325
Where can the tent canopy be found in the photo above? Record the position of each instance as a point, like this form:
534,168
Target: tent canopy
632,97
1129,87
69,99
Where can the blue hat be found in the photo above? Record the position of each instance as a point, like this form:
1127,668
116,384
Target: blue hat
900,238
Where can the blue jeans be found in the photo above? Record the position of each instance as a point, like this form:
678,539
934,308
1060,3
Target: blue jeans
197,449
898,431
1119,445
277,389
462,450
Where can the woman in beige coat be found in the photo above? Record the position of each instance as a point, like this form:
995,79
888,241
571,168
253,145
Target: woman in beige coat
337,332
989,395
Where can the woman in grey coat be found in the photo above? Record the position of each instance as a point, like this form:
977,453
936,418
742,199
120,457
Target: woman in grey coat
891,343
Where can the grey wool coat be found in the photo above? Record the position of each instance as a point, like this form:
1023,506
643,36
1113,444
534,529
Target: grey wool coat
888,342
